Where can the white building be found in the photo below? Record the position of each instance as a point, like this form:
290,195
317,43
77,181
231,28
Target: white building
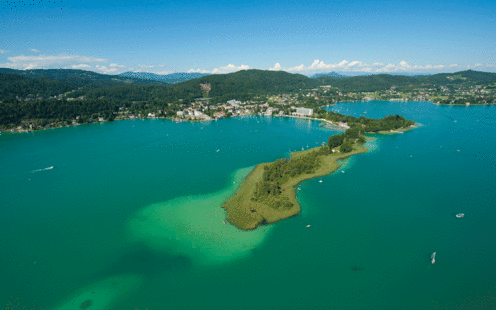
234,102
180,113
304,111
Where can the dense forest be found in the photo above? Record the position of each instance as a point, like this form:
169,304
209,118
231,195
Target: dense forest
365,124
14,85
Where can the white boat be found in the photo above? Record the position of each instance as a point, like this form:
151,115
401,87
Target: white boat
460,215
320,181
433,257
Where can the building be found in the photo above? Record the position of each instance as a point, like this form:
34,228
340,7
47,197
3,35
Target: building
304,111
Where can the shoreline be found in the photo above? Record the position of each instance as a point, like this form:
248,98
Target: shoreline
246,214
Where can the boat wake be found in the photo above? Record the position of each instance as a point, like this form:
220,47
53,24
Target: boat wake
47,168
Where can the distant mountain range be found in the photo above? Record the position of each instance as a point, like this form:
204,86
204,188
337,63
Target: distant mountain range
329,74
82,77
172,78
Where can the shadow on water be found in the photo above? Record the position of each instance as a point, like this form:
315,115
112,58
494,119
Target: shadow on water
143,260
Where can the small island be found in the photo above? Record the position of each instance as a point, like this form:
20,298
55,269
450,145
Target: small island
268,193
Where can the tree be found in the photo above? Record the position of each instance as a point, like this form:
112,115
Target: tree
335,141
362,139
346,147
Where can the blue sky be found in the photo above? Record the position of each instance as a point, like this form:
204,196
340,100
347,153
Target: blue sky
224,36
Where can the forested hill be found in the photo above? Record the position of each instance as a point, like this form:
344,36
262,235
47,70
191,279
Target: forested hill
15,85
378,82
82,77
242,85
250,82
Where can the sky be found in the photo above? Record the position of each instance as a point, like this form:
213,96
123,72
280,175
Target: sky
217,36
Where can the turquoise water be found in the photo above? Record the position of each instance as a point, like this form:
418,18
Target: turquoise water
129,216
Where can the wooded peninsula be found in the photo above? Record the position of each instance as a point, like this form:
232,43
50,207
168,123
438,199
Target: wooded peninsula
268,194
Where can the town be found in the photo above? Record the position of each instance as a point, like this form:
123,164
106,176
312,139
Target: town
301,103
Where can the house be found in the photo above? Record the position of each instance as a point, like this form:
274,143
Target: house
304,111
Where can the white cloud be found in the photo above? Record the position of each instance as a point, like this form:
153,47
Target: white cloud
48,61
2,51
354,63
198,71
297,68
453,65
103,69
117,66
277,67
34,50
358,66
477,65
222,70
80,66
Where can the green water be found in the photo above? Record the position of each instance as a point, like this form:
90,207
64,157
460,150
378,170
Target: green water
129,216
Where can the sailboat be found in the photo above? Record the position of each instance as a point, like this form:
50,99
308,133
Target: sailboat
433,257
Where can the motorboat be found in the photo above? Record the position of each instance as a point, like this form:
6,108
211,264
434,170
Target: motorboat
460,215
433,257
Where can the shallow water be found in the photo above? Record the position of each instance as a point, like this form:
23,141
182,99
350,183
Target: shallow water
140,201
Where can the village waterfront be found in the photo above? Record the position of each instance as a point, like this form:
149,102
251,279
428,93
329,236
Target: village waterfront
131,210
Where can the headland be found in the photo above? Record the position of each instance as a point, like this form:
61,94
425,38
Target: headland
251,206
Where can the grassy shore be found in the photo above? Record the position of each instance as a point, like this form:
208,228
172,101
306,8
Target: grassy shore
245,213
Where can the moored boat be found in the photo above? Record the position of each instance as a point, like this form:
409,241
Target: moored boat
459,215
433,257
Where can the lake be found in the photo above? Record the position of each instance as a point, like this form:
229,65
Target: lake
127,215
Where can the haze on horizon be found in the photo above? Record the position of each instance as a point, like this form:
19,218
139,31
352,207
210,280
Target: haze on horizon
112,37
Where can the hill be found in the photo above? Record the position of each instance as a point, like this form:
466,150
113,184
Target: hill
15,85
248,83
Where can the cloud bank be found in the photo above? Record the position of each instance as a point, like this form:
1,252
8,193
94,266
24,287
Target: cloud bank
23,62
358,66
221,70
